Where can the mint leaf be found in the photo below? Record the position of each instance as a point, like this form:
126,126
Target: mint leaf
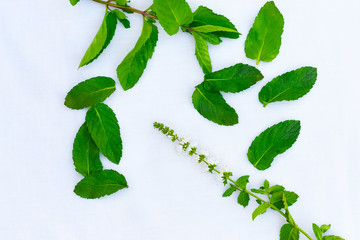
289,86
172,14
324,228
277,199
105,131
202,53
229,191
100,184
213,106
288,232
121,2
232,79
243,199
122,18
211,28
74,2
209,37
242,181
259,191
276,188
332,237
271,142
205,16
260,210
132,67
264,38
318,233
101,40
85,153
90,92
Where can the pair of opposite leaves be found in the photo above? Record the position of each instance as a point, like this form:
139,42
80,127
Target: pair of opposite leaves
99,133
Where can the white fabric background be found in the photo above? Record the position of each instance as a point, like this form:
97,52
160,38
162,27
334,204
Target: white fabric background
170,197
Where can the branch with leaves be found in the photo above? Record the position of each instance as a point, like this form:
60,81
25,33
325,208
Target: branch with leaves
280,137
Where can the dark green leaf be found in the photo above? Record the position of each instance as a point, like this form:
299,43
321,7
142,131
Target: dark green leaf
318,233
271,142
260,210
325,227
242,181
264,38
213,106
243,198
205,16
229,191
125,23
101,40
277,198
172,14
259,191
289,86
132,67
202,53
100,184
85,153
90,92
105,131
211,28
233,79
332,237
288,232
276,188
74,2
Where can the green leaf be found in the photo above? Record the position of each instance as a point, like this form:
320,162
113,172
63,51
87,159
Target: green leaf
172,14
121,2
105,131
243,199
242,181
122,18
132,67
259,191
266,184
288,232
232,79
229,191
332,237
318,233
100,184
260,210
209,37
211,28
276,188
277,199
264,38
101,40
74,2
289,86
271,142
205,16
90,92
125,23
324,228
213,106
85,153
202,53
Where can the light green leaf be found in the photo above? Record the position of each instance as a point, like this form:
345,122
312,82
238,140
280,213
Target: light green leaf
318,233
260,210
121,2
288,232
277,199
243,181
202,53
74,2
289,86
210,38
229,191
264,38
332,237
243,199
205,16
120,15
105,131
211,28
101,40
232,79
100,184
259,191
213,106
325,227
90,92
172,14
272,142
132,67
85,153
276,188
